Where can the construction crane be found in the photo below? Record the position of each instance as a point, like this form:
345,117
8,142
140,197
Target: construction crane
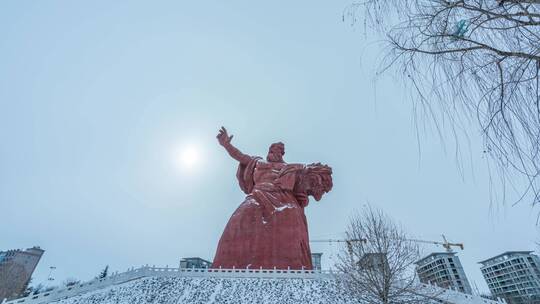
339,241
349,242
446,245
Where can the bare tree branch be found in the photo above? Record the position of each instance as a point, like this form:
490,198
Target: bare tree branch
381,270
471,59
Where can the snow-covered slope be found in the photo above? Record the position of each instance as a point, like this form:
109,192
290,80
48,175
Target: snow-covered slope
147,285
215,290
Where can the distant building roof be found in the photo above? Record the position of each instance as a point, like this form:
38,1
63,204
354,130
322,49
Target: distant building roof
36,250
433,254
503,254
196,258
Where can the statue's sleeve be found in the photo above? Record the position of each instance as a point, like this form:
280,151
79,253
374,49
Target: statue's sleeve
287,181
244,174
287,177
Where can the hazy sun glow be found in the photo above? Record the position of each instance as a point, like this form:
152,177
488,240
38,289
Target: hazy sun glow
190,157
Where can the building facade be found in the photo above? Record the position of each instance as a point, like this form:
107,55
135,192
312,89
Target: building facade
375,262
316,260
195,262
16,268
514,276
443,269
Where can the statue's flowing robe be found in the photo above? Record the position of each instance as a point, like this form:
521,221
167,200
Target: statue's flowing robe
269,229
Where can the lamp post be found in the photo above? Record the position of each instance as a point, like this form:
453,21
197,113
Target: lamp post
51,269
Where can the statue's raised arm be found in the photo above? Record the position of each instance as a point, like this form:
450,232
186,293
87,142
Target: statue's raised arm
225,140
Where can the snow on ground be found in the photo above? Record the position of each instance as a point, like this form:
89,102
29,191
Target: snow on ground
179,290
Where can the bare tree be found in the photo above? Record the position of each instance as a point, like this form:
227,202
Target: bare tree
381,268
471,60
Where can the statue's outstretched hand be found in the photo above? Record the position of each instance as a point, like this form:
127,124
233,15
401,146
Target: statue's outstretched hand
223,137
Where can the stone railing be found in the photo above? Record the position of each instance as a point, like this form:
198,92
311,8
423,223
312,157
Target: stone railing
239,273
146,271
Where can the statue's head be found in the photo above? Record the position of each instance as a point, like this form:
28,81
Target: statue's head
317,180
276,152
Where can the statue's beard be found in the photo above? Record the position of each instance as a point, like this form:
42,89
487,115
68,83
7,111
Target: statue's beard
274,157
317,195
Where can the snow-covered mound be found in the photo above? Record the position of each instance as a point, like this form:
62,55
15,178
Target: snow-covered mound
148,285
215,290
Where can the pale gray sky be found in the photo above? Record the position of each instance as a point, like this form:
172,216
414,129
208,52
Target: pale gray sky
99,99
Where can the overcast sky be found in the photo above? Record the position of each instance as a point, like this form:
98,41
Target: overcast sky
99,101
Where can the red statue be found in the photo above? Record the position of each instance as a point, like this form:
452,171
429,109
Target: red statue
269,229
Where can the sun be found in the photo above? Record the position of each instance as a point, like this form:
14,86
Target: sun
190,157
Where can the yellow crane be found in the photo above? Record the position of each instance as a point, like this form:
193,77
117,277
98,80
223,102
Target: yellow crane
349,242
339,241
445,244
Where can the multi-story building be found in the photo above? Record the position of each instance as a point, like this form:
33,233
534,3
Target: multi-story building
316,260
514,276
374,261
195,262
444,270
16,268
